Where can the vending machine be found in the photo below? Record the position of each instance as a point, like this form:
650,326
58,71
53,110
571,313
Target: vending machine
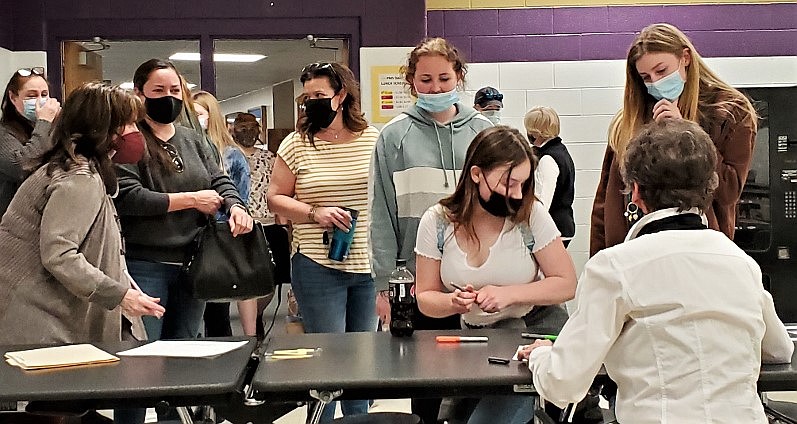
766,224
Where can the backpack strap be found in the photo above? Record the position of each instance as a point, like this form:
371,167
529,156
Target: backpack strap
442,224
528,237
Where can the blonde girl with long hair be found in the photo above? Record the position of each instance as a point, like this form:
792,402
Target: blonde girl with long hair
666,78
234,163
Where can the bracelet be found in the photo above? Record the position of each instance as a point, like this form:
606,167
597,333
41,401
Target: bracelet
311,214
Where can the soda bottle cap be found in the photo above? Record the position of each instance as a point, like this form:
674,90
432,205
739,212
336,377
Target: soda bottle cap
401,262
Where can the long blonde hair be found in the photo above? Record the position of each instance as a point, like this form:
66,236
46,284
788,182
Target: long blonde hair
217,126
705,100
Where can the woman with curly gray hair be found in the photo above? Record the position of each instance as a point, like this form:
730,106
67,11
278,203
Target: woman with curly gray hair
677,312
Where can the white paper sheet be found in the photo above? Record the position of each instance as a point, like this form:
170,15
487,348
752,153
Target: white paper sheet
184,348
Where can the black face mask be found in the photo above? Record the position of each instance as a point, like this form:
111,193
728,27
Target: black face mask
500,205
164,109
319,112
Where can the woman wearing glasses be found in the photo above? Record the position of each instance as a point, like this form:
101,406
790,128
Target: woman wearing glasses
321,168
166,197
28,111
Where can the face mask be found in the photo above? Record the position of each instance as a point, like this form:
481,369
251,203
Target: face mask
129,148
319,112
493,115
246,137
163,110
29,108
437,102
203,122
669,87
500,205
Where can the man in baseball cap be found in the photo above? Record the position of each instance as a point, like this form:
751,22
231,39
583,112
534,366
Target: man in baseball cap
489,102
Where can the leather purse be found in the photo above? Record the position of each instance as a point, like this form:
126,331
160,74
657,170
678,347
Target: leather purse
225,268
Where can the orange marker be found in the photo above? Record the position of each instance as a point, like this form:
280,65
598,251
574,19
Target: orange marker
460,339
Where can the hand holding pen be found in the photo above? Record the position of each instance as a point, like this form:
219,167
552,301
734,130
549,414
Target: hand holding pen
463,299
136,303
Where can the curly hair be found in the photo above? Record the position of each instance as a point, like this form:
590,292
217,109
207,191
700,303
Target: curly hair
673,162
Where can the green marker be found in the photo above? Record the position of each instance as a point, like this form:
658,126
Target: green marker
538,336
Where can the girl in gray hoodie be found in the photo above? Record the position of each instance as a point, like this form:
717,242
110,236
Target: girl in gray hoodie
417,161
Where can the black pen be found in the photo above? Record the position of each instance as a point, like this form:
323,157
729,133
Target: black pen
460,288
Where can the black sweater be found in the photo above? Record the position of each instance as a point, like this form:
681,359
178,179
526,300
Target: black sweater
150,231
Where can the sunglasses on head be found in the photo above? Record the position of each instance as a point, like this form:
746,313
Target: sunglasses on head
26,72
491,96
317,66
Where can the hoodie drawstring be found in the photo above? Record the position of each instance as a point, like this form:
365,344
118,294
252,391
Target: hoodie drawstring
442,162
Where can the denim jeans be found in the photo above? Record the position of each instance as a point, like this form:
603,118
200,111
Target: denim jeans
333,301
182,318
183,315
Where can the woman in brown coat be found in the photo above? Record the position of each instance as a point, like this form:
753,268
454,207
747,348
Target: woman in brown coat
62,274
666,78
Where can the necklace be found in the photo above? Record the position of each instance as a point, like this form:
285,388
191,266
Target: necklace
335,134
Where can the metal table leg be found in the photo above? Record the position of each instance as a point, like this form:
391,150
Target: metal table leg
185,416
325,397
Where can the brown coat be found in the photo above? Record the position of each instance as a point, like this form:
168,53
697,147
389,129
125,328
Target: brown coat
734,139
61,263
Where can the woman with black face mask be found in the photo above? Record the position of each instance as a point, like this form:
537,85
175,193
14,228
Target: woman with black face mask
491,253
321,169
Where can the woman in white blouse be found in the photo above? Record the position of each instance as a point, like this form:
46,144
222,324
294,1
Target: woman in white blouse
495,241
677,313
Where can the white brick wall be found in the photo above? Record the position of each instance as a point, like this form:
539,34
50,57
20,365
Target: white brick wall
586,95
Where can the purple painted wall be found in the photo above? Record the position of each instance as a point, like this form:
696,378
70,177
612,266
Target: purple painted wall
366,23
6,24
587,33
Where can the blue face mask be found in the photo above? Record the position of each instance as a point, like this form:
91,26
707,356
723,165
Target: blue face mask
669,87
437,102
29,107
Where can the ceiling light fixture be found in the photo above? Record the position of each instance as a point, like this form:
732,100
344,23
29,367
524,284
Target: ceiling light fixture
219,57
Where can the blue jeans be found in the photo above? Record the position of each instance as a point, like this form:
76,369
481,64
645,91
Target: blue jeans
333,301
510,409
182,318
183,315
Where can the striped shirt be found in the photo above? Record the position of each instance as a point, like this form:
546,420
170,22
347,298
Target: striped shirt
331,174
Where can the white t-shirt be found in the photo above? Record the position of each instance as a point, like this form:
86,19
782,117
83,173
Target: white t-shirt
508,263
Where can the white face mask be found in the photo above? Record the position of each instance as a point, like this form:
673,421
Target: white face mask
493,115
203,122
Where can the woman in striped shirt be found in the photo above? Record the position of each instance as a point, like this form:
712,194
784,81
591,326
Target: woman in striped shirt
322,168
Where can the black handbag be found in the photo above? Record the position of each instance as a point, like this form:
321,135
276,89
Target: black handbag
225,268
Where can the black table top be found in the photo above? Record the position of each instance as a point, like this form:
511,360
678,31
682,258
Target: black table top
378,365
143,379
779,377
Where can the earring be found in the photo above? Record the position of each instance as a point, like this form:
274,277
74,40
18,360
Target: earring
631,212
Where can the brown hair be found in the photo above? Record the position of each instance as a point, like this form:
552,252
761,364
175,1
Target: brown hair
90,120
673,162
155,151
20,126
340,78
439,47
493,147
706,99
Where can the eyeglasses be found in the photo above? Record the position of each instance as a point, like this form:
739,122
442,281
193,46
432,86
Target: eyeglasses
26,72
173,155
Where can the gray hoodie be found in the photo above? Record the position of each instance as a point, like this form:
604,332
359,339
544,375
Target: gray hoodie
417,162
